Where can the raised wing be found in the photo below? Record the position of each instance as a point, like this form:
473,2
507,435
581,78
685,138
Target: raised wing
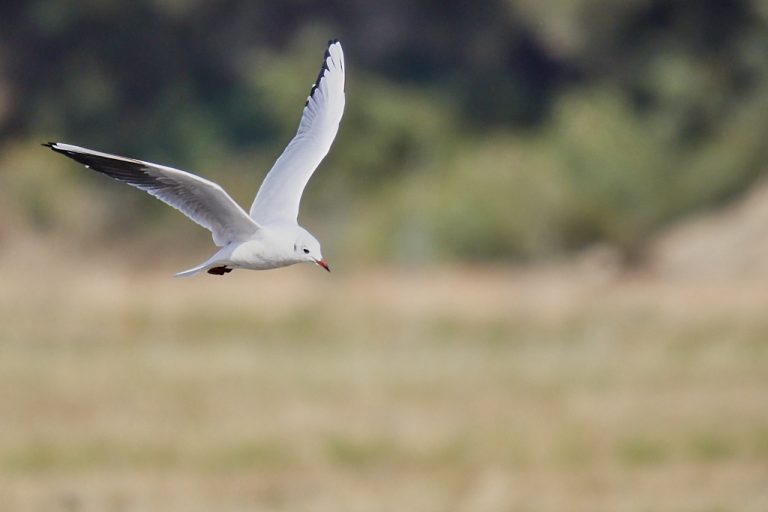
201,200
279,196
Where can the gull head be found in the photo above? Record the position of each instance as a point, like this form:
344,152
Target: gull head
306,248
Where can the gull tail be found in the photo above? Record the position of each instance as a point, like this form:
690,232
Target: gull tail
213,265
192,271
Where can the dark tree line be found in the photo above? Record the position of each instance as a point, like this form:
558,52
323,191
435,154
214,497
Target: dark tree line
160,76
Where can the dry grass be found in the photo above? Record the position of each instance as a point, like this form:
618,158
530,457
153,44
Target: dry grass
450,390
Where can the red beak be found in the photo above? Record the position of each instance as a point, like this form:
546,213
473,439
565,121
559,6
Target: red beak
323,264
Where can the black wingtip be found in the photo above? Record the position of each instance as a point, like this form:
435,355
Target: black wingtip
323,69
57,149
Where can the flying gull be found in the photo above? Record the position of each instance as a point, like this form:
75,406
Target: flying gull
270,236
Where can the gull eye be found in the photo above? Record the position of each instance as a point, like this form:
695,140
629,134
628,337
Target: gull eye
306,251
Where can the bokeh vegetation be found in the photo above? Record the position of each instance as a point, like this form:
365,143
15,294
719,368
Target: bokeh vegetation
488,130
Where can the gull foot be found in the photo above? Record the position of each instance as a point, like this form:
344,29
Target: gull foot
219,271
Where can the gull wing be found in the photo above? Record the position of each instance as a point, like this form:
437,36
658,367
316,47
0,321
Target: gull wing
279,196
201,200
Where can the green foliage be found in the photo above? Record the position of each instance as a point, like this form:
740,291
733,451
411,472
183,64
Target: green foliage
511,130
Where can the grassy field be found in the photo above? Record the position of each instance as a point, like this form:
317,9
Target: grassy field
461,389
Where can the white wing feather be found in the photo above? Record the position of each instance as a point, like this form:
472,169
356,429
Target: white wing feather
279,196
201,200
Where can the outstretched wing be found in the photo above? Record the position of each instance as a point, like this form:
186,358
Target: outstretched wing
201,200
279,196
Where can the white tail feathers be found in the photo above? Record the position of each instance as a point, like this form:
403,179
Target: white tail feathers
218,264
192,271
214,266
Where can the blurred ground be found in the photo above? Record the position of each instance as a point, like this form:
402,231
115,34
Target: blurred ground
466,389
731,242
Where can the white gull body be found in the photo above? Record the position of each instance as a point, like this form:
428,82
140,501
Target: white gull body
270,236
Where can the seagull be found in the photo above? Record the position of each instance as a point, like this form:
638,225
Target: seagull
269,236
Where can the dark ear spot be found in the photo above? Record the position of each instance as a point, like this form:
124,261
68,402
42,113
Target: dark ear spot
294,247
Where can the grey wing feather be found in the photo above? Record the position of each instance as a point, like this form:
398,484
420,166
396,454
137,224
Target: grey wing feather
203,201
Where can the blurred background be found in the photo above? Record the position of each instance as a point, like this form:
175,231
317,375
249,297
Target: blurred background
549,234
